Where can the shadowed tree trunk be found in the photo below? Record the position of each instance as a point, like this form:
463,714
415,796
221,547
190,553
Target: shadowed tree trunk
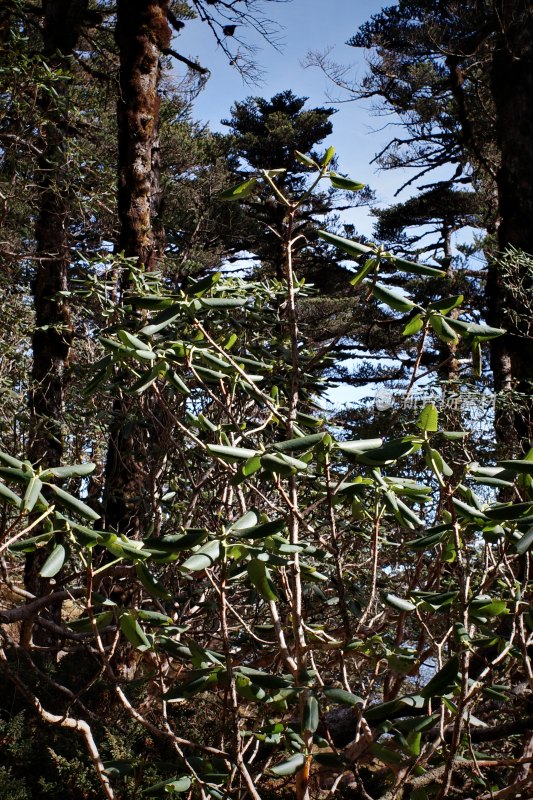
142,33
512,90
52,337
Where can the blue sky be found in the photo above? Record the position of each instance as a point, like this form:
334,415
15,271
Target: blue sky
358,133
305,25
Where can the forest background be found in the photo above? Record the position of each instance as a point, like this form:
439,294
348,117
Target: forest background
210,585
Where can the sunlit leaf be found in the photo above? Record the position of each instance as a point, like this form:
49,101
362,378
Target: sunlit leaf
429,418
311,717
206,557
261,580
392,298
347,184
399,603
343,697
239,192
73,503
176,786
54,562
289,767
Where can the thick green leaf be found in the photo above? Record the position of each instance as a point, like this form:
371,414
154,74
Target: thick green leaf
31,544
150,582
175,786
487,607
444,681
145,355
248,690
359,446
429,418
524,543
435,462
266,680
148,378
239,192
289,767
205,678
32,493
172,544
365,270
311,715
343,697
251,466
223,302
206,557
381,456
447,304
509,512
73,503
259,531
16,463
260,578
155,618
130,340
305,160
519,466
301,443
11,497
248,520
477,362
54,562
281,464
434,601
399,603
386,755
152,302
11,473
84,624
347,184
197,288
413,325
71,471
328,156
175,381
430,539
163,319
231,454
394,708
414,268
352,248
132,630
442,329
481,332
467,511
395,300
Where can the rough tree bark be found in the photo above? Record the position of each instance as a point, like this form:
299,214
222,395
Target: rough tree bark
142,33
52,336
512,90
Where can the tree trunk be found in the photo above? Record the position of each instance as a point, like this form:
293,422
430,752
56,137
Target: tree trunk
142,32
512,90
52,337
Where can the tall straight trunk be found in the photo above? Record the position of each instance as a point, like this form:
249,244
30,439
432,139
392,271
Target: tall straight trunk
52,336
142,32
512,90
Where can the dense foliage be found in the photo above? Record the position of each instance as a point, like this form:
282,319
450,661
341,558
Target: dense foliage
207,587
